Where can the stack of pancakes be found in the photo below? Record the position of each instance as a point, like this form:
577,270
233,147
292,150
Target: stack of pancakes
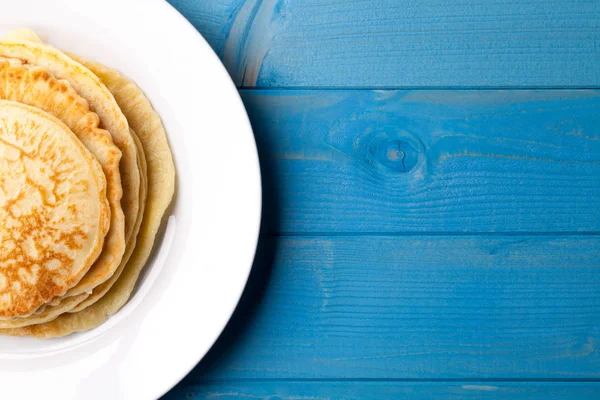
86,175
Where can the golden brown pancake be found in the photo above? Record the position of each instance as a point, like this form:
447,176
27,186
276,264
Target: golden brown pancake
48,313
101,102
54,214
36,87
161,185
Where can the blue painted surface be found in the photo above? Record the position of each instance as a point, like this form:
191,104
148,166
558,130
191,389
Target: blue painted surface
389,390
431,230
430,161
403,43
421,307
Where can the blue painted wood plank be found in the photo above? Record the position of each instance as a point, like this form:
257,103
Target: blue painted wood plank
285,390
428,161
458,307
403,43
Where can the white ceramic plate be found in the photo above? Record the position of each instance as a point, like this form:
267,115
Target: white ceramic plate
194,281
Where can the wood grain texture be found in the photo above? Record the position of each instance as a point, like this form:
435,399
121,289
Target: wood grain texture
524,307
403,43
429,161
284,390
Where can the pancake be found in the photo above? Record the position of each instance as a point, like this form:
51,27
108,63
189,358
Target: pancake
47,314
101,290
54,214
36,87
24,45
161,186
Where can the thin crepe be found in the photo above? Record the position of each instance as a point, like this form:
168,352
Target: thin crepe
36,87
54,214
102,102
161,186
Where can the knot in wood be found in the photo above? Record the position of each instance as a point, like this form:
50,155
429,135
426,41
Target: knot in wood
392,152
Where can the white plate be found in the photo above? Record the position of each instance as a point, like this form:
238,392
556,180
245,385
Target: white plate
192,285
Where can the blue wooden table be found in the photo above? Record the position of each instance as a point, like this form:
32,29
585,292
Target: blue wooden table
432,199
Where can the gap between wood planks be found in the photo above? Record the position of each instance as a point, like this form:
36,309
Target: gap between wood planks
395,234
401,88
424,380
